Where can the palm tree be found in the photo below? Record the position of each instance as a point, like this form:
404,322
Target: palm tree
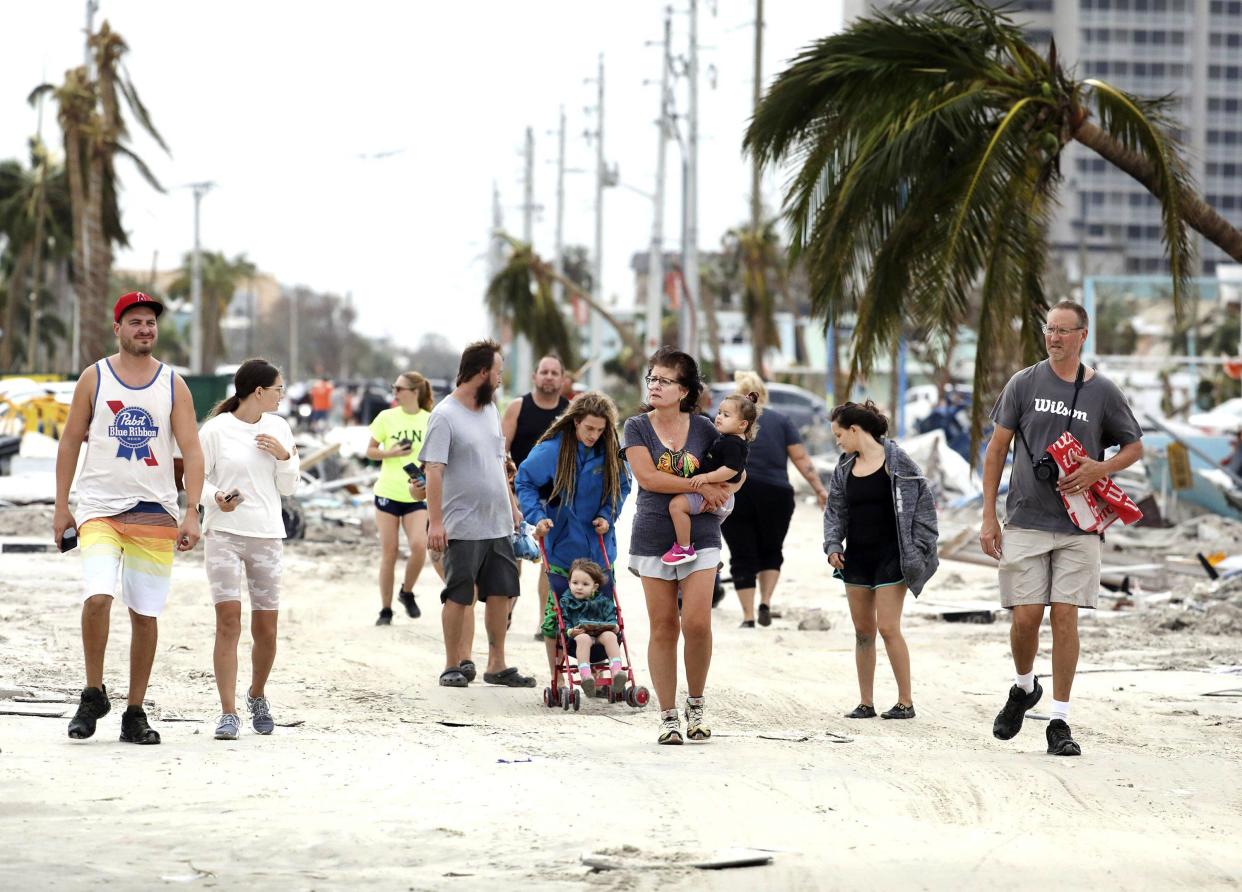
95,132
36,221
521,295
221,278
927,149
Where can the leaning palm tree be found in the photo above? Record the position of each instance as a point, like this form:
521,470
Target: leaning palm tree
521,295
927,148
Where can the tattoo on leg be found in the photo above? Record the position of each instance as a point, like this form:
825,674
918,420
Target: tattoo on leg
864,640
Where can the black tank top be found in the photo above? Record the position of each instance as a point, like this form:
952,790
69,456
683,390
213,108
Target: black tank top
872,519
532,423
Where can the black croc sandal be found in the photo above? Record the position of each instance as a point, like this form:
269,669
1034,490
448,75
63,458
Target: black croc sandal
454,678
509,678
468,669
899,712
861,711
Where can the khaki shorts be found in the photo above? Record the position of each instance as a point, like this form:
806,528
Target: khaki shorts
1038,567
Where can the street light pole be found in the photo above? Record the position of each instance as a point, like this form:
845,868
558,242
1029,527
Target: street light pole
196,286
594,376
690,250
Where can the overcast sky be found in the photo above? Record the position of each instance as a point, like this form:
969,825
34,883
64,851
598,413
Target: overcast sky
279,103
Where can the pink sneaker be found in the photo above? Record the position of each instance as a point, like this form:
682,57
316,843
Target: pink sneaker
678,555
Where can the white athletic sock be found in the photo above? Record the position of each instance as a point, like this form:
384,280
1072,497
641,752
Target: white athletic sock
1059,711
1026,682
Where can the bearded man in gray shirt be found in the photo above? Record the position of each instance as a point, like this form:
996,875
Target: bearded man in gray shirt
471,515
1045,559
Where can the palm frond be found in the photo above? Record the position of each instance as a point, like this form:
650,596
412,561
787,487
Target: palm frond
1143,126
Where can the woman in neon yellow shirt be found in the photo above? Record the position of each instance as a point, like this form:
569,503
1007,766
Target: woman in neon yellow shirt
396,441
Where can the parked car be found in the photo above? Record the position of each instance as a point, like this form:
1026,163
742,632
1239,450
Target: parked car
806,410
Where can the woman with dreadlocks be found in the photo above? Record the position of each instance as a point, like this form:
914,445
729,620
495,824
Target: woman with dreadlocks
571,487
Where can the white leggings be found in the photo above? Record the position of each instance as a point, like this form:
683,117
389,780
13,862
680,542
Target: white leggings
227,554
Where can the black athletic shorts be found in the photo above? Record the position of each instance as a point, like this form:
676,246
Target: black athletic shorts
874,567
486,563
398,509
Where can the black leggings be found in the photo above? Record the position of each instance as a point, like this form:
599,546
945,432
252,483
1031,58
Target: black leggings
755,531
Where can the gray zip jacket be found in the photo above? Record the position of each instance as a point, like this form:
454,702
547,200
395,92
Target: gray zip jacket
913,503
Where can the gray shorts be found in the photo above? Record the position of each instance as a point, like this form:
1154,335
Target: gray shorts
229,556
1039,567
696,505
486,563
705,559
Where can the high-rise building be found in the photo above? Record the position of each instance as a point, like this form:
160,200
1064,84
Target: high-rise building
1189,48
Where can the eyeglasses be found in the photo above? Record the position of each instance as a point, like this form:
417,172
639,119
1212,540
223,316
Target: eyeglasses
653,380
281,388
1054,330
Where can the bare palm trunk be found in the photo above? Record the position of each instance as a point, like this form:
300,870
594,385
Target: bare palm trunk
96,331
707,302
16,293
1198,214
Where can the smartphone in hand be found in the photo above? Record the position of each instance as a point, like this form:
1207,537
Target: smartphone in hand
414,472
234,496
68,540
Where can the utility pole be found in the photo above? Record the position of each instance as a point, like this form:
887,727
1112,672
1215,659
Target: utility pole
196,286
690,248
756,171
558,250
521,344
294,294
495,249
655,256
594,375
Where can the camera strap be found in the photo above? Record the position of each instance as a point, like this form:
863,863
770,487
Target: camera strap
1078,379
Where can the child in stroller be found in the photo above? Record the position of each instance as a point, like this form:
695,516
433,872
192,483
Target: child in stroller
590,617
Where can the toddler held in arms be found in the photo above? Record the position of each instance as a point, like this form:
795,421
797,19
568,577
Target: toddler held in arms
725,463
590,616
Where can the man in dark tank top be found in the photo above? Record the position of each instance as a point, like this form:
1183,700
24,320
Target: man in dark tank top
525,421
526,418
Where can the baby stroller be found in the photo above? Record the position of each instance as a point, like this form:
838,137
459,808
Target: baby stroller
566,689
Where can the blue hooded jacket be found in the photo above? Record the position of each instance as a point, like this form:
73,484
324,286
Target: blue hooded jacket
572,535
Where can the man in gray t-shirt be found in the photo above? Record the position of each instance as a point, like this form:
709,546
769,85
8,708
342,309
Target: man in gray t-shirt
1045,559
471,513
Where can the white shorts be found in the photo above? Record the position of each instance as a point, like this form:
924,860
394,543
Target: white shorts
262,560
705,559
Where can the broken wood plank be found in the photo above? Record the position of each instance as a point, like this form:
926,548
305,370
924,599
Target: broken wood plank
37,710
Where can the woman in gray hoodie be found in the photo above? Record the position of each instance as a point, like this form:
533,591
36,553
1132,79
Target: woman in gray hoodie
880,536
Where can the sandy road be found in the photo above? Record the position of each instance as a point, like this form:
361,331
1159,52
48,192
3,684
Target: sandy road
372,789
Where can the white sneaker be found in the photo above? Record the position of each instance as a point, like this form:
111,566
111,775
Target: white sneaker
696,728
670,728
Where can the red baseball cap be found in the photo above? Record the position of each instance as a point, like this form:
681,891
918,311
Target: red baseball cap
135,299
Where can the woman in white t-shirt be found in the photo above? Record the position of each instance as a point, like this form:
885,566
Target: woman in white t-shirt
249,463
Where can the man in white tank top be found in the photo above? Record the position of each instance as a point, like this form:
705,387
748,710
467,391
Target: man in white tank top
128,408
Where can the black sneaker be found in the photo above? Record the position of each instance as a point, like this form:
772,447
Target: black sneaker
134,727
1009,720
765,615
93,706
899,712
1060,743
747,624
411,606
385,617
